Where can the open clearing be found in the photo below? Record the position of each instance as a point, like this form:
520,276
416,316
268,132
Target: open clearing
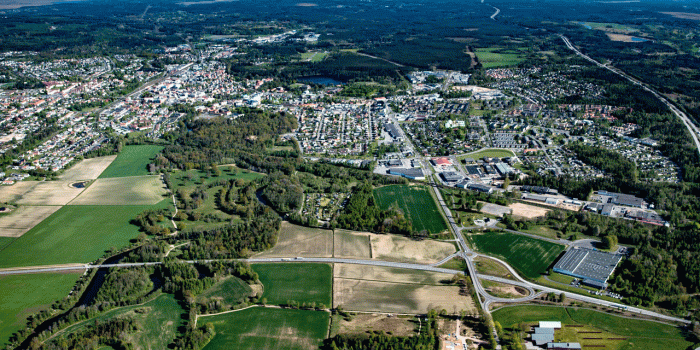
416,204
639,334
303,283
229,292
266,328
528,211
158,321
399,326
23,219
528,256
376,296
61,238
135,190
303,241
23,295
132,161
87,169
350,244
503,290
684,15
495,209
403,249
491,267
389,274
490,58
40,192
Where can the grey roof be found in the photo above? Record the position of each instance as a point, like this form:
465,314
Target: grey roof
410,173
473,170
451,176
563,346
543,330
541,339
589,264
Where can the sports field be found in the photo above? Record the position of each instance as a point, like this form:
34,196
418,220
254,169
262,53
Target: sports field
303,283
489,58
74,234
303,241
637,334
157,320
23,295
133,190
266,328
490,152
132,161
229,292
415,202
528,256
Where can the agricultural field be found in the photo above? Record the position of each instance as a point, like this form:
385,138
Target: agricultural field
134,190
496,57
529,256
637,334
377,296
389,274
396,325
350,244
490,153
157,320
230,291
47,193
87,169
23,295
303,283
132,161
403,249
22,219
5,241
267,328
54,240
294,240
416,203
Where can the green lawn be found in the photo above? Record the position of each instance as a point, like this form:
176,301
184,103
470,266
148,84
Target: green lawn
303,283
157,320
74,234
268,329
132,161
489,58
639,334
231,291
527,255
416,203
491,153
23,295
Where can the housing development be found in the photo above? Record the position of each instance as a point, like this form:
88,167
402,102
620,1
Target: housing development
273,175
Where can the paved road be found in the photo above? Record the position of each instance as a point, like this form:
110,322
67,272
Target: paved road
692,128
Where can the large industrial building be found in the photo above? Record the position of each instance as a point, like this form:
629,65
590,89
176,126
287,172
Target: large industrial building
593,267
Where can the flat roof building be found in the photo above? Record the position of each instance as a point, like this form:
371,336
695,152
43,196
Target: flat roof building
412,173
452,176
592,266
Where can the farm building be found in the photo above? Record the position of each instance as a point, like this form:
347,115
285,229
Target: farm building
593,267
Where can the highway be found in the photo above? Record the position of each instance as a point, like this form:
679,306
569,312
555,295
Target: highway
692,128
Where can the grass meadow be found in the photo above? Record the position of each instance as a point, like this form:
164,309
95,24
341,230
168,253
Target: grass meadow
490,58
416,203
23,295
528,256
132,161
636,334
74,234
303,283
267,328
491,153
158,321
231,291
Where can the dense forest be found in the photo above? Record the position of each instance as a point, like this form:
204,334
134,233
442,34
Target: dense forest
362,213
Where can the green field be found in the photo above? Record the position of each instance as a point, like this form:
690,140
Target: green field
313,56
489,58
527,255
303,283
639,334
491,153
132,161
157,320
23,295
230,291
265,329
5,241
74,234
416,203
